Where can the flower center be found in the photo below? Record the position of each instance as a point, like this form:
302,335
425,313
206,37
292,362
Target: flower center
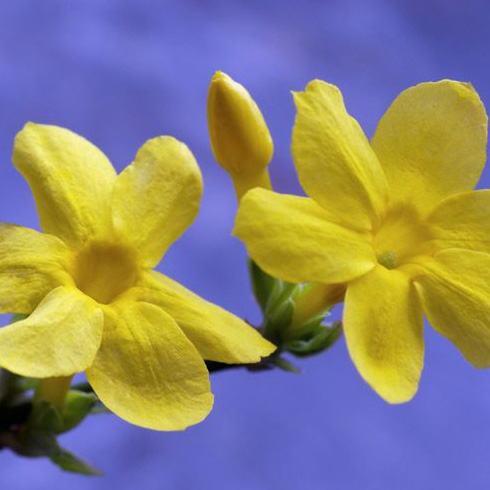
103,271
401,236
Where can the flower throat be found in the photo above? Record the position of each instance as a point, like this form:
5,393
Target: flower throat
104,271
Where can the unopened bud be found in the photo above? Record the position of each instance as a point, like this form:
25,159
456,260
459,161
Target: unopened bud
240,139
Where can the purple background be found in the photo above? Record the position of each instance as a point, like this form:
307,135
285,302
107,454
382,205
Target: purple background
120,72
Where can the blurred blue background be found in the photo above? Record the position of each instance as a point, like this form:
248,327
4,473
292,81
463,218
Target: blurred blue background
122,71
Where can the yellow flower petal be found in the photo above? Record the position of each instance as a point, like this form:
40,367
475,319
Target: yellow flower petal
292,238
156,198
148,372
431,142
336,165
31,265
59,338
455,292
383,325
217,334
462,221
71,181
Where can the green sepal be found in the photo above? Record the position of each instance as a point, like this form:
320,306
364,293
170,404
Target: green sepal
285,365
282,291
69,462
279,310
78,405
40,439
39,436
318,341
99,408
45,417
279,320
262,284
37,443
307,329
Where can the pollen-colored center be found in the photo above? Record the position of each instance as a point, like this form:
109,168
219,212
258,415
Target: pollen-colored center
402,236
104,271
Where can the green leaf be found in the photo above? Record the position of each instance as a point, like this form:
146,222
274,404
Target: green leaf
78,405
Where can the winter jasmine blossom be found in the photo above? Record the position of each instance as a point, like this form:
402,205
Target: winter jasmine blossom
394,222
87,284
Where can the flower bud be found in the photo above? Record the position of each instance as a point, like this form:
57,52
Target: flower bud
240,139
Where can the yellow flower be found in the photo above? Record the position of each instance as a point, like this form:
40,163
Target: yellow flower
395,219
239,136
96,304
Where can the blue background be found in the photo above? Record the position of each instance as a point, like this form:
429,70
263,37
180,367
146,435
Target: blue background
120,72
